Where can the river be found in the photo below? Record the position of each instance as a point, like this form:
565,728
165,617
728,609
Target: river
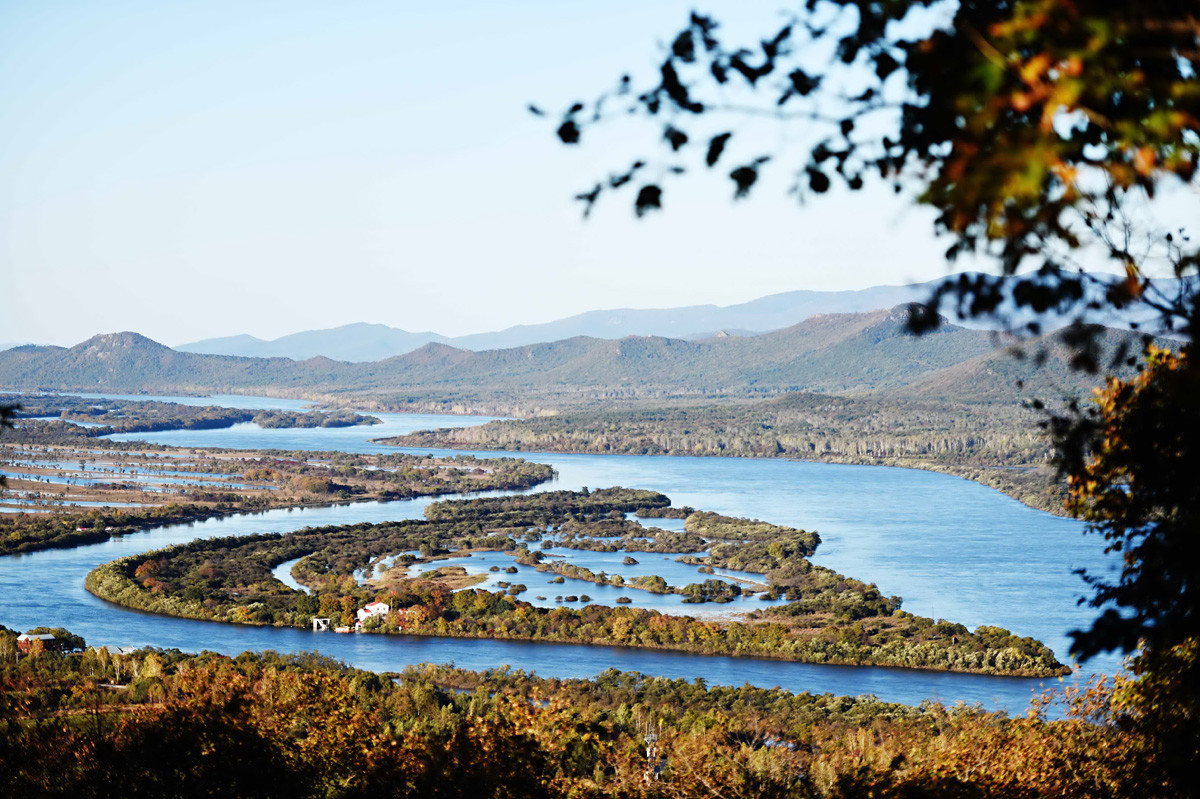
952,548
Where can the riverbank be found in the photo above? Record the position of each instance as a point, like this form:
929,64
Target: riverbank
1035,486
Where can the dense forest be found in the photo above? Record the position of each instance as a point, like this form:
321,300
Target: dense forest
829,618
115,723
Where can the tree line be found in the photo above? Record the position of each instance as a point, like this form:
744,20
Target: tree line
163,723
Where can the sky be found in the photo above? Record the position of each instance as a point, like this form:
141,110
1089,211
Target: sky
197,169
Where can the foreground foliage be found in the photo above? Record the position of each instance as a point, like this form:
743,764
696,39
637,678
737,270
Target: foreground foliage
157,723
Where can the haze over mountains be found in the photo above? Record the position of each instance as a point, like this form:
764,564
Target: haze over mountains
369,342
851,354
361,342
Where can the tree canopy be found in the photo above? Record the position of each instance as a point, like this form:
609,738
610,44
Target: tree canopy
1037,129
1046,134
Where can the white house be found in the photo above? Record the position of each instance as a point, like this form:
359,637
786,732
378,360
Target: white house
372,609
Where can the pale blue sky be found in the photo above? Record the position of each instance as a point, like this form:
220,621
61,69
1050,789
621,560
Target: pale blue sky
195,169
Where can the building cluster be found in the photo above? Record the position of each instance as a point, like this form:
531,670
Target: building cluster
372,610
37,643
29,643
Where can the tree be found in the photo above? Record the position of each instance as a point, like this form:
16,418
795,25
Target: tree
1131,477
1044,133
1037,129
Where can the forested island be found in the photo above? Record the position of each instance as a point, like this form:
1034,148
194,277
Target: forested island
134,486
829,618
104,416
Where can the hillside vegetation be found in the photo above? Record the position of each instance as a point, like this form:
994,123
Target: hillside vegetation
851,354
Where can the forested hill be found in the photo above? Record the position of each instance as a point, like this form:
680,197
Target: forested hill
131,363
836,354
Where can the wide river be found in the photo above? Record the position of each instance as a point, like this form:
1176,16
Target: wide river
952,548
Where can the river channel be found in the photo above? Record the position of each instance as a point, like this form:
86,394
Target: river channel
952,548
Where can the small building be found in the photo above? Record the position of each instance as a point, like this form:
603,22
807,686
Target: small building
49,642
372,609
319,624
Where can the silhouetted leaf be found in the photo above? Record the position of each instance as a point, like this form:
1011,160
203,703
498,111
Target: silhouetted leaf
744,178
818,181
803,83
922,318
684,47
648,197
568,132
675,136
673,86
752,74
716,146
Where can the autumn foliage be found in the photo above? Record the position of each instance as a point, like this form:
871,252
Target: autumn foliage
166,724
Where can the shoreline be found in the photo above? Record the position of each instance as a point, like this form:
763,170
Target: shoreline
970,472
1066,670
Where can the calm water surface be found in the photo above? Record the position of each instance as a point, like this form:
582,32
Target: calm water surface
952,548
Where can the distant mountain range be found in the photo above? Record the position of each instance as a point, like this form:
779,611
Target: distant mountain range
366,342
361,342
356,342
854,353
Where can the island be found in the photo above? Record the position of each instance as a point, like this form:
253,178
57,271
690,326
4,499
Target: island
74,492
820,616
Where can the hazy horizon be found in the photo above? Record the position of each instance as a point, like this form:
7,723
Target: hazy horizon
235,334
191,172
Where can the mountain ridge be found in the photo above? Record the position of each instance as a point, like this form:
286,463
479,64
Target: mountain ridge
361,342
753,317
851,354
